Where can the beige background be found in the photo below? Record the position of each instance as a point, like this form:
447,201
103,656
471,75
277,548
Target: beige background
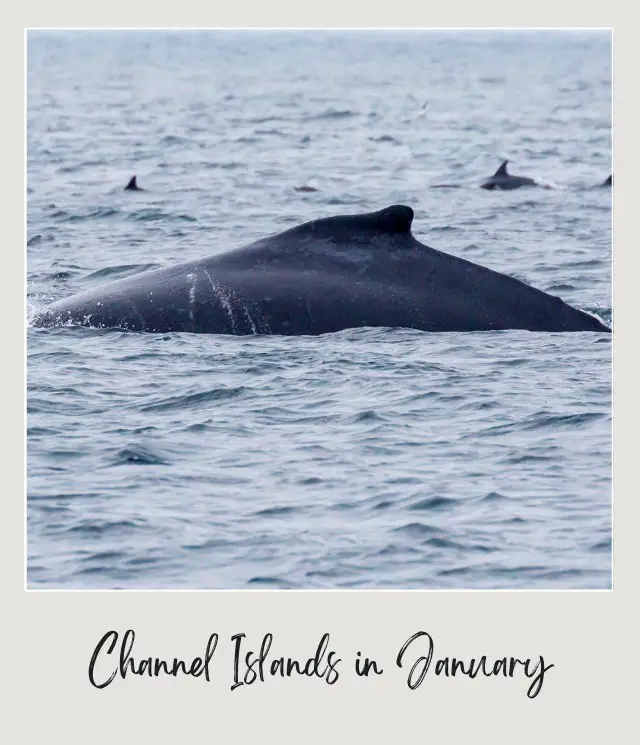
49,636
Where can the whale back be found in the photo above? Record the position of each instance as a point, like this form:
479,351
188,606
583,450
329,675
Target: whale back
324,275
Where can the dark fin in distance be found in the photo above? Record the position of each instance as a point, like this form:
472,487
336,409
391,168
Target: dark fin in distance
502,171
609,181
132,185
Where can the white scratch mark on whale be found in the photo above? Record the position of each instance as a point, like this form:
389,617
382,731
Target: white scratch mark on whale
248,315
192,294
225,300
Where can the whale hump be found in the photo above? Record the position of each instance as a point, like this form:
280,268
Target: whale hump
502,171
609,181
132,185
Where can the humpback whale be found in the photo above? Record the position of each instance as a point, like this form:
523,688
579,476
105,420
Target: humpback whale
326,275
501,179
133,185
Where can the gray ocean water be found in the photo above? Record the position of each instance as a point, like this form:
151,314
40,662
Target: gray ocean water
369,458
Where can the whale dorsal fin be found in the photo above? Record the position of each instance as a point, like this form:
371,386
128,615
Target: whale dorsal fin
502,171
132,185
394,219
609,181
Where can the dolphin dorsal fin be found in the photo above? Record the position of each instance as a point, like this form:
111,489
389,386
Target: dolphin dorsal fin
132,185
502,171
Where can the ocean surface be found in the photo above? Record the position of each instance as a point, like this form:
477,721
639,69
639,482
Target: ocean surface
369,458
